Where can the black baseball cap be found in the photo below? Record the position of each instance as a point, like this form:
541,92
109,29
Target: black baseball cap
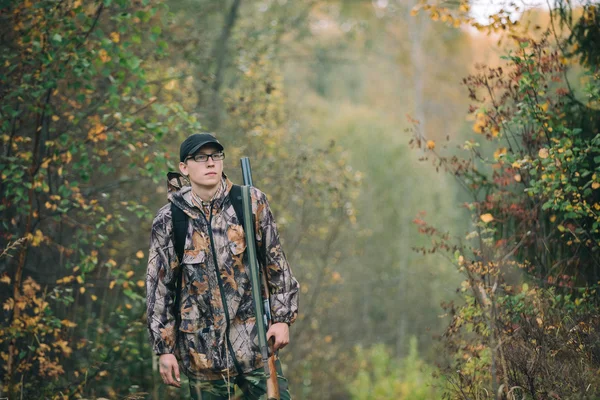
194,142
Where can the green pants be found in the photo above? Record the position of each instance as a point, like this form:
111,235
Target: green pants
252,384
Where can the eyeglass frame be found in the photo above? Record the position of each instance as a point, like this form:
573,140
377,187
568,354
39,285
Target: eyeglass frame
207,156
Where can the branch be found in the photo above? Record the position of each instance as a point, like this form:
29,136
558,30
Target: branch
96,18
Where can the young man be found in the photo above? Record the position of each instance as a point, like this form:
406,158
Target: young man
211,332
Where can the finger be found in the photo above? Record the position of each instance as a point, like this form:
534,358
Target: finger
175,381
277,344
176,369
270,334
168,378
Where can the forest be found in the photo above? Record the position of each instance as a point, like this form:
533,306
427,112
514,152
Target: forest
434,175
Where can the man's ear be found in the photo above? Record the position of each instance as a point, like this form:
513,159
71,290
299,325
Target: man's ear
183,168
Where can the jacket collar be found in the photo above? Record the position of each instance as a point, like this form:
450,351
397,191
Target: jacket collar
180,194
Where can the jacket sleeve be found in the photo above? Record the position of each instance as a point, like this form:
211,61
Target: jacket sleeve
163,270
283,287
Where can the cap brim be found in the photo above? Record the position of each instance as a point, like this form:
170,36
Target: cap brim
198,147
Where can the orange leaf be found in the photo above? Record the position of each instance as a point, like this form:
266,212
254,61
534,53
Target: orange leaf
487,218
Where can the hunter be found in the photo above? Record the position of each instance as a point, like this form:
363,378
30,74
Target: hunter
200,311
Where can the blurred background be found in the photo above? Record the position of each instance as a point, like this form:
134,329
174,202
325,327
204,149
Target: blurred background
323,96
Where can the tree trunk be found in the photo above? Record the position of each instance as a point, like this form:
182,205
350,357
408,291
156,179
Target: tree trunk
220,56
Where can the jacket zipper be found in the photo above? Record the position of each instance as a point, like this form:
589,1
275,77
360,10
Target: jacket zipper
222,293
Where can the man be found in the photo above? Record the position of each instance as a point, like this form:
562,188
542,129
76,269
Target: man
211,332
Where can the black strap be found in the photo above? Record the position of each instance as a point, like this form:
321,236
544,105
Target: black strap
235,196
180,223
179,219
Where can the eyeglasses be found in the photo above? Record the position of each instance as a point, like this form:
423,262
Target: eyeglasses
204,157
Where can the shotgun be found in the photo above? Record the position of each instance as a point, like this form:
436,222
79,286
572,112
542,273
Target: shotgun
262,311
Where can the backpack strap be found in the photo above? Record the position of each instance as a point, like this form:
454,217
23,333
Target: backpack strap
179,220
235,196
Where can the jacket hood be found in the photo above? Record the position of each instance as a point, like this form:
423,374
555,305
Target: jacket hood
180,193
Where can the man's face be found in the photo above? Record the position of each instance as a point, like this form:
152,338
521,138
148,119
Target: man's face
203,173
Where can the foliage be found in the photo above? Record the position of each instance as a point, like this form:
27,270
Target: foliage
380,376
534,205
79,124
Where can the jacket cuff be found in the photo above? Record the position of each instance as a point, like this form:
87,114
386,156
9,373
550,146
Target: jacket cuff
287,319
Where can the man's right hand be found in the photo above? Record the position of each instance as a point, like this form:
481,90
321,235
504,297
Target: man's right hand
169,369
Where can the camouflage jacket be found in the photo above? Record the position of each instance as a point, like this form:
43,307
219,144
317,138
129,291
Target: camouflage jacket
216,335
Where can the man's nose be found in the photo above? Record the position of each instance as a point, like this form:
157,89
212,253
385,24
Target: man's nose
210,161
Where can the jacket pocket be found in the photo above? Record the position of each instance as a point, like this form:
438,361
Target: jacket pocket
195,291
192,257
201,348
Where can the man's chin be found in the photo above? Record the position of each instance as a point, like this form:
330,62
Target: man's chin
208,181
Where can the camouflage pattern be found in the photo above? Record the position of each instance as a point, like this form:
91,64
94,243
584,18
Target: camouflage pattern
253,386
200,342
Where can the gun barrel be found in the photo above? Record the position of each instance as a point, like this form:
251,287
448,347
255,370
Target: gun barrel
246,171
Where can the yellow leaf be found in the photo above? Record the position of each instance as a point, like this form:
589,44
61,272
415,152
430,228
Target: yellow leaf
8,304
430,144
518,177
79,279
68,324
82,290
499,153
112,284
495,131
104,57
114,36
94,297
55,118
170,85
140,283
595,185
552,218
5,279
487,218
128,306
129,274
328,339
139,254
543,153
